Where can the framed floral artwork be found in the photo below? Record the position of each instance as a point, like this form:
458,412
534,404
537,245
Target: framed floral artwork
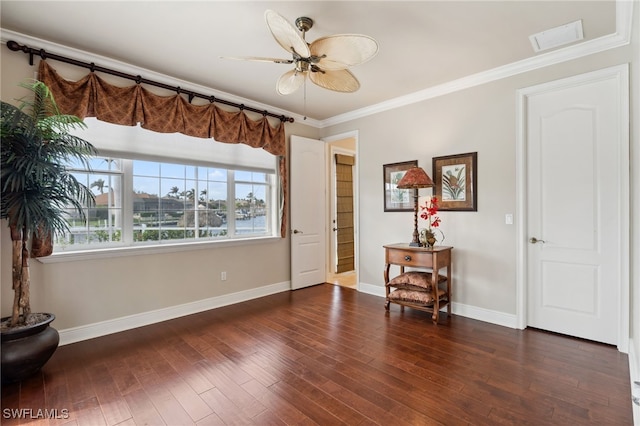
456,182
397,200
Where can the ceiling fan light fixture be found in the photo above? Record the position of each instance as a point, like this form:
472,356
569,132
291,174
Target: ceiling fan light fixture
302,66
325,61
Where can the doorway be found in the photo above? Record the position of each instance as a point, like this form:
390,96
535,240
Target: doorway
343,211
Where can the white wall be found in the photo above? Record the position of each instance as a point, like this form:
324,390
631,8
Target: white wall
479,119
458,123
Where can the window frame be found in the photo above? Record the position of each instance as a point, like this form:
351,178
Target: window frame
129,247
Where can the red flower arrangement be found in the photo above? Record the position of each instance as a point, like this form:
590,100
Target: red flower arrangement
429,211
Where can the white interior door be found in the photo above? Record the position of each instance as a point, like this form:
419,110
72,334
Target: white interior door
307,185
576,180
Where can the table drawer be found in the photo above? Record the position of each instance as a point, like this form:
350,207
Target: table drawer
409,258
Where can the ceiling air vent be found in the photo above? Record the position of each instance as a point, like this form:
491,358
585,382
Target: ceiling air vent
557,36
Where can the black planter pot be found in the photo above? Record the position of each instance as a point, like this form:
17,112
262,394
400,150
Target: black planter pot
26,349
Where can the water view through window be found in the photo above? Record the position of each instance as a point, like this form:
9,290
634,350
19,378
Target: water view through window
146,202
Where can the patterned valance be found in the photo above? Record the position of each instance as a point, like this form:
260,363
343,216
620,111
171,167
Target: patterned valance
93,97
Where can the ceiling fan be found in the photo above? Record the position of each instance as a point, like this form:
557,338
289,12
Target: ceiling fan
324,61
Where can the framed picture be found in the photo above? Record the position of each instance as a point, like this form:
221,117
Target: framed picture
456,179
397,200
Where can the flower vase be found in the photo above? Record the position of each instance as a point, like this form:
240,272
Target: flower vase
427,238
431,239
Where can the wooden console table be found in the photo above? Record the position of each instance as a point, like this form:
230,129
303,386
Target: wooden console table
436,259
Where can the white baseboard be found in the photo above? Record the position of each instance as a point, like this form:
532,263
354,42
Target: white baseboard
374,290
90,331
486,315
468,311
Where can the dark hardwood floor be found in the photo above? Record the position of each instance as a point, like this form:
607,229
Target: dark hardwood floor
325,355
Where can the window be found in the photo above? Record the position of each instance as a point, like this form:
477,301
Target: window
144,199
102,223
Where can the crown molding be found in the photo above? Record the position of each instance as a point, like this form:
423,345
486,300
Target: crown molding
622,37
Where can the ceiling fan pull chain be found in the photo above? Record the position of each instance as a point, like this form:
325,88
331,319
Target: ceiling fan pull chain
304,89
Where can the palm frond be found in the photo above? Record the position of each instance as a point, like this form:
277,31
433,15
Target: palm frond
40,104
37,189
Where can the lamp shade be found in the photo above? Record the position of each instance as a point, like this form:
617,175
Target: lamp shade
415,178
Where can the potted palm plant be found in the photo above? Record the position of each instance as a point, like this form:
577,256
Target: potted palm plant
37,192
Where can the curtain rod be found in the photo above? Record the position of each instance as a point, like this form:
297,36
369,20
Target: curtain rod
15,46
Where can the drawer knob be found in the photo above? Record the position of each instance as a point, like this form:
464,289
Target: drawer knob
407,258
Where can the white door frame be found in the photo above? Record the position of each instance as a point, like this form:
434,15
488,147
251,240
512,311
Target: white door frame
352,134
621,74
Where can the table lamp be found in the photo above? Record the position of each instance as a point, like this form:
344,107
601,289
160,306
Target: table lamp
415,178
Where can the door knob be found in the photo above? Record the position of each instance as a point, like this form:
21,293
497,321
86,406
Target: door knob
295,231
534,240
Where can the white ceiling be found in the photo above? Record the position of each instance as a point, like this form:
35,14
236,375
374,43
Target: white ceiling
422,44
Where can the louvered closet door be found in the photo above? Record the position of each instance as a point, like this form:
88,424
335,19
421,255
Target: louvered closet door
344,210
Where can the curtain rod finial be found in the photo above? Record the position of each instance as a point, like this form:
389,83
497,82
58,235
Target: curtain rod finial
15,46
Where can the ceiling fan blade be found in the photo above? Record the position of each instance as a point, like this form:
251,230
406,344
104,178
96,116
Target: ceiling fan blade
343,50
339,80
290,81
258,59
285,34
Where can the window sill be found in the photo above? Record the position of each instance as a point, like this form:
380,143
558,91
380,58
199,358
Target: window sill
70,256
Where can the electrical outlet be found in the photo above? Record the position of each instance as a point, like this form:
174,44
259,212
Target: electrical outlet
508,219
223,276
